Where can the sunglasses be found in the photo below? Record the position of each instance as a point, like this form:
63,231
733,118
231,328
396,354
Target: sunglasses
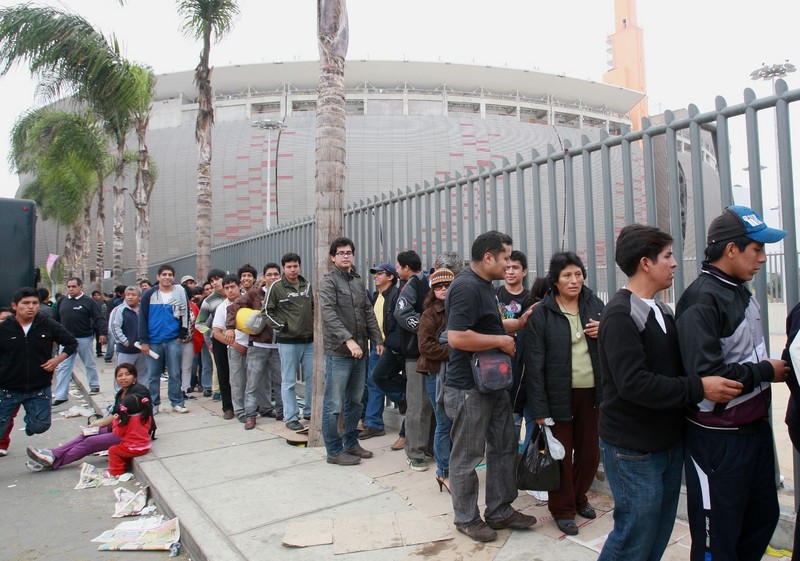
441,285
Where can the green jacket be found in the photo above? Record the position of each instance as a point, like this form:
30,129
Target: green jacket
290,311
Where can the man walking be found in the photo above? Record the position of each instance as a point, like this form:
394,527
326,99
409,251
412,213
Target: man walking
732,499
163,322
482,423
77,312
27,363
645,396
348,326
290,311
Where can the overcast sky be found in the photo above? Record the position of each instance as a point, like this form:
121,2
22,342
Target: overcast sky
694,49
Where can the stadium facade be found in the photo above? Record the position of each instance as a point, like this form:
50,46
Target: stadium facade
407,123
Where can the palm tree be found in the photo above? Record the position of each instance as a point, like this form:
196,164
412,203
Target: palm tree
333,34
204,20
145,171
67,155
69,56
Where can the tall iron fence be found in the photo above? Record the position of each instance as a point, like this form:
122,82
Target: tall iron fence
675,174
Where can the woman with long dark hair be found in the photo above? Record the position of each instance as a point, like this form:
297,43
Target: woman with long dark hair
562,372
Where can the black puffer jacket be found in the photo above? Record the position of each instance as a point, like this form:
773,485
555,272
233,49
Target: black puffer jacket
548,356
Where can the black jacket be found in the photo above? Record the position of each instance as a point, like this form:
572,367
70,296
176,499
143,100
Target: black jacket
21,356
548,356
389,302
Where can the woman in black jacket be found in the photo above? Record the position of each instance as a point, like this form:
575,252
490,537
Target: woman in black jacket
562,373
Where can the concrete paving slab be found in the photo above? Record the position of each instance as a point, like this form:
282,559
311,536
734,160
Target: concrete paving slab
366,533
190,436
536,546
246,503
265,542
308,534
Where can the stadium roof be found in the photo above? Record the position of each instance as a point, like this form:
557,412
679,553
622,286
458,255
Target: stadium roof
390,75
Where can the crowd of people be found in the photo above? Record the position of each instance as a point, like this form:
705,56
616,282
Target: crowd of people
650,390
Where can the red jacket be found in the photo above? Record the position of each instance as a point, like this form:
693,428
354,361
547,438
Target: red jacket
135,435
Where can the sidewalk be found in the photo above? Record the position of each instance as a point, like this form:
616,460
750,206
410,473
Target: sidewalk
236,492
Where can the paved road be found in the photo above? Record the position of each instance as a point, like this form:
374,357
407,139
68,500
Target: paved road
44,517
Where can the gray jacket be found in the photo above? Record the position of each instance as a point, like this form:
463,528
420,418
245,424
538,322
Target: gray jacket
346,313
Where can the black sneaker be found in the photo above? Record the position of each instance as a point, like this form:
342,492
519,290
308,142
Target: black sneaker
568,526
344,459
94,391
294,425
516,521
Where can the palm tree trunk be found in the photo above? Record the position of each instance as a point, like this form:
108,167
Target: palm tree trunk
119,210
205,120
86,241
100,234
333,33
141,199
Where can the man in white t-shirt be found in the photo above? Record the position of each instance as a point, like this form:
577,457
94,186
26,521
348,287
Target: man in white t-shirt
237,350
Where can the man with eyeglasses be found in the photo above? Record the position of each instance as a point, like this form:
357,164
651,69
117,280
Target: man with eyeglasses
348,327
290,311
77,312
263,370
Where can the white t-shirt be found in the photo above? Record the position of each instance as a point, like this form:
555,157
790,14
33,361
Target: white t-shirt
219,322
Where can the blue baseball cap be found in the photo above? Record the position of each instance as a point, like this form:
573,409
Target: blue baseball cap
385,268
739,221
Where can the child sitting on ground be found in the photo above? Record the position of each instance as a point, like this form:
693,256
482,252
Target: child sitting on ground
132,422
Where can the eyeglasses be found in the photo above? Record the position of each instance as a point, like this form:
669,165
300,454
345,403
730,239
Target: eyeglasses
441,285
344,253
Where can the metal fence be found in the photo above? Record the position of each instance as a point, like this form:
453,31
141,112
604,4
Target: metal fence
571,197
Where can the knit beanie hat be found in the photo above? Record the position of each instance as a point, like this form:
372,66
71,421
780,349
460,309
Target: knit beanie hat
441,275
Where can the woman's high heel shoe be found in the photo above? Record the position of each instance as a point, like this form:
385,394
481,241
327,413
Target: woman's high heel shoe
443,482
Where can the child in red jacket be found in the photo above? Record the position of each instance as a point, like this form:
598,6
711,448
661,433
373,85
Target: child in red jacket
132,422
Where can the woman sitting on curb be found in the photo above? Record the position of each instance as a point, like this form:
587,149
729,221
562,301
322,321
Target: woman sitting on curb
85,444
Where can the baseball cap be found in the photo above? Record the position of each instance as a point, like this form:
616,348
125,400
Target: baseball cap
386,268
739,221
185,278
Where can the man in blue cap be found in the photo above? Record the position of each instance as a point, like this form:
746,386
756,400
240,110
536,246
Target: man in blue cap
732,500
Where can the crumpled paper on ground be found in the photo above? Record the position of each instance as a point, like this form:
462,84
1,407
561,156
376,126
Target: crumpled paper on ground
129,503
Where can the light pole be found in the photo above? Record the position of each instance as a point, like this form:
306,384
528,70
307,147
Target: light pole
269,125
773,72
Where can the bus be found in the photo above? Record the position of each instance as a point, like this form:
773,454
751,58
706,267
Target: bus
17,236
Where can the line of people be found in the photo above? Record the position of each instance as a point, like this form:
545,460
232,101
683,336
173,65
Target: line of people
652,392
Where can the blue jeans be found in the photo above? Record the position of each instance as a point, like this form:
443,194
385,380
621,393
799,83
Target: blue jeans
373,417
63,372
37,408
344,386
646,487
293,356
110,345
441,436
169,353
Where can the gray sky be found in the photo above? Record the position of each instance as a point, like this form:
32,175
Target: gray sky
694,50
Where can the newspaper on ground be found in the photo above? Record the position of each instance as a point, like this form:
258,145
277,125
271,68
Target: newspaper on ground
78,411
132,537
91,476
129,503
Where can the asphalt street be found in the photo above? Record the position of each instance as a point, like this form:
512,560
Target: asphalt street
44,516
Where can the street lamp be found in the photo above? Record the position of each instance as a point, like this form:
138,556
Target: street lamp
269,125
773,72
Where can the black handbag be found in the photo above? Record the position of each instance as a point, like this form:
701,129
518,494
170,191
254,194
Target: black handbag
492,371
537,470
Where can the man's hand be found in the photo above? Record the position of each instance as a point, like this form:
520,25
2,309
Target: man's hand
379,350
354,348
781,369
720,390
102,339
508,345
229,337
145,348
51,364
241,349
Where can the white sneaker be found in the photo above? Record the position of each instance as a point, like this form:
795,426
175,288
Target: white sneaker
3,452
34,466
180,409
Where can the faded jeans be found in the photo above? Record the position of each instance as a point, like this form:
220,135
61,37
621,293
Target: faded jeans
292,356
263,379
63,373
37,409
441,436
344,386
169,353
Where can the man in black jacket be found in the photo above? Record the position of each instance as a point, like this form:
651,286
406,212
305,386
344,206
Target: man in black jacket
383,302
27,362
76,311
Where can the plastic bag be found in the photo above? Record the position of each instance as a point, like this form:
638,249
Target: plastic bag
554,445
537,469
